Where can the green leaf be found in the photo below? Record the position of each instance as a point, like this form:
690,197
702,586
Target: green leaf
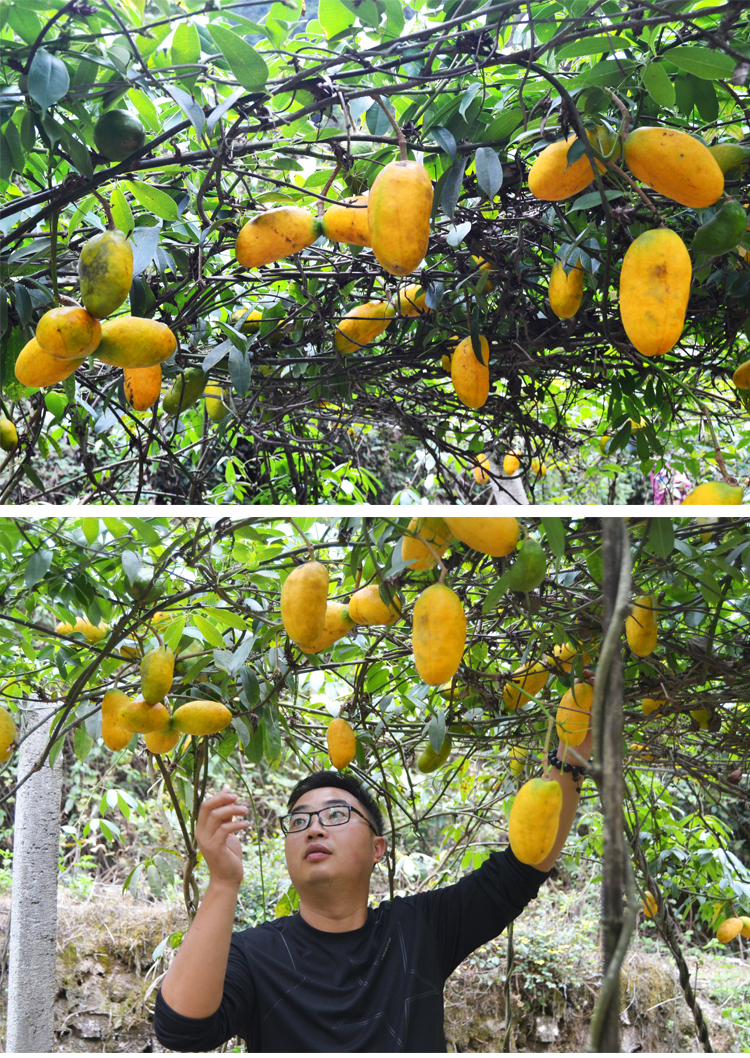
227,618
706,100
24,22
244,61
90,528
395,21
116,527
210,632
80,157
452,181
502,126
186,44
703,62
37,567
48,79
661,537
121,212
593,199
658,85
367,11
489,171
593,46
146,532
146,109
82,742
271,736
334,17
554,530
172,634
153,200
496,592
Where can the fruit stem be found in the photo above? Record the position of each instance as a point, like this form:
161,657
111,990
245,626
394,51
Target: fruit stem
53,256
107,211
326,188
310,549
546,766
399,134
616,169
717,451
625,127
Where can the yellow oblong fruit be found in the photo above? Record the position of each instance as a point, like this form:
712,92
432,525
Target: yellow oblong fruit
471,379
654,290
729,929
336,625
201,718
676,165
565,291
528,681
362,325
93,633
105,269
640,626
745,931
161,741
276,234
411,301
304,598
367,608
68,333
36,368
511,463
518,756
534,819
133,341
481,469
712,492
115,736
141,718
342,743
8,734
566,654
438,634
398,215
414,549
651,705
8,434
572,718
491,536
552,179
142,386
216,406
157,673
347,222
649,905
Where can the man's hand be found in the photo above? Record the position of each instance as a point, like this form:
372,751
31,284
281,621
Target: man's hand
216,837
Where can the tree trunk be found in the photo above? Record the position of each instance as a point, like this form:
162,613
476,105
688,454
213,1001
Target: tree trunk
614,539
33,916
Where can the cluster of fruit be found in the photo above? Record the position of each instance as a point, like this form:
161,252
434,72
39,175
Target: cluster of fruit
656,270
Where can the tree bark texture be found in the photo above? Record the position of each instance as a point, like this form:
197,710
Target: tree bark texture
33,916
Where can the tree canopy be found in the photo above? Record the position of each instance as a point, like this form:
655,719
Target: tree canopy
246,109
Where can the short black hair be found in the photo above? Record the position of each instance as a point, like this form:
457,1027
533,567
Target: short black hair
319,779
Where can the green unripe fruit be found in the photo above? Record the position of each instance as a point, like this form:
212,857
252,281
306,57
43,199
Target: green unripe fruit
723,231
729,156
186,391
529,569
429,760
117,135
140,589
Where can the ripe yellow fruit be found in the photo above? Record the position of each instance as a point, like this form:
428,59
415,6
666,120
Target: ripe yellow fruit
114,734
534,819
336,625
8,435
745,931
654,290
484,266
518,756
649,905
398,215
201,718
347,222
93,633
566,654
539,468
572,718
640,626
552,179
161,741
216,407
413,548
303,604
68,333
105,271
491,536
131,341
275,234
142,386
367,608
565,291
531,678
36,368
438,634
702,717
251,325
140,717
729,929
8,734
411,301
481,469
362,325
157,673
470,377
511,463
342,743
713,492
676,165
445,363
650,705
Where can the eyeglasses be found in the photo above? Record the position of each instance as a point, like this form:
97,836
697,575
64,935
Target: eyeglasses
336,816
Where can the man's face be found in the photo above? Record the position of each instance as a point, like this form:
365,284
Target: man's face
332,857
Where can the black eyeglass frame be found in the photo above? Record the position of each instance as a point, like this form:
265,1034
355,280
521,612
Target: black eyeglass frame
289,815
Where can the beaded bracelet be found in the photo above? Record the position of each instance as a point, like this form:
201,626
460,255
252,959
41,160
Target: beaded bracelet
576,770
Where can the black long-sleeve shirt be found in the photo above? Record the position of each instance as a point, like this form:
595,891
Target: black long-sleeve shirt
290,987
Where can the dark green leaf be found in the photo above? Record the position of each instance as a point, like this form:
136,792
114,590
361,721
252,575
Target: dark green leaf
593,46
489,171
445,139
452,187
48,79
37,567
706,63
658,85
555,532
245,62
661,537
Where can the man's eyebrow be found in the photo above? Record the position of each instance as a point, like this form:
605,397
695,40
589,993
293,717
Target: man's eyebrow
331,801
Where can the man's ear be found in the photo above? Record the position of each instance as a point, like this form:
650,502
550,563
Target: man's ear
379,849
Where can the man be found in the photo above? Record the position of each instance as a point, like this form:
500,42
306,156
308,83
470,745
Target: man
338,976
